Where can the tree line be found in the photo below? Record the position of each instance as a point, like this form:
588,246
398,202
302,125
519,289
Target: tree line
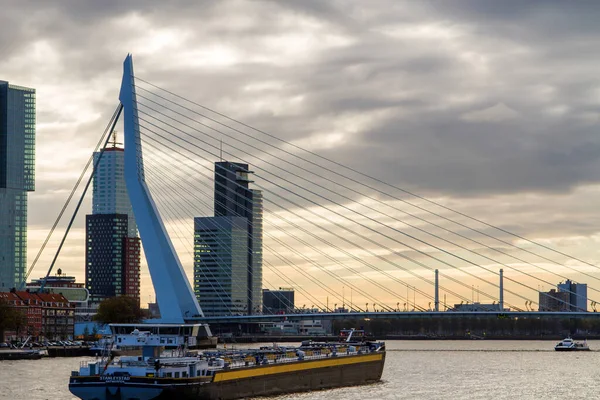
479,326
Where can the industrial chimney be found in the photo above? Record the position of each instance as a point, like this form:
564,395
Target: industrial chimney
437,292
501,303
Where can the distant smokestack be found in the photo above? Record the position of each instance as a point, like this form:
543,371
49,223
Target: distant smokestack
501,303
437,291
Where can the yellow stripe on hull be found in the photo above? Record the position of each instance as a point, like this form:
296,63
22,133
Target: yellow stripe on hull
222,376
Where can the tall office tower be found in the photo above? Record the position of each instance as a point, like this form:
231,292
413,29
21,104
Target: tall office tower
233,199
113,246
17,177
221,264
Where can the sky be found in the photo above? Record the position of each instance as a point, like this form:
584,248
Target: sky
490,108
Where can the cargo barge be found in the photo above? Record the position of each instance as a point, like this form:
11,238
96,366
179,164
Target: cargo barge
168,372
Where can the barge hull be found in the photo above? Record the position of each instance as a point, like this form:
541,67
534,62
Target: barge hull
294,381
266,380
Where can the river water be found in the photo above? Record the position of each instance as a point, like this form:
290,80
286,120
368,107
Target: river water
478,369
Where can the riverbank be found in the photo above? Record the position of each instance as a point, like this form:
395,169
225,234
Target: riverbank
298,339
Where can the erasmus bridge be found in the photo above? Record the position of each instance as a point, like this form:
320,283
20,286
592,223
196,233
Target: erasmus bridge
349,244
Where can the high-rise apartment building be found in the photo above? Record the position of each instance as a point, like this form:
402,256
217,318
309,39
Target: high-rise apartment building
234,204
17,177
112,244
109,192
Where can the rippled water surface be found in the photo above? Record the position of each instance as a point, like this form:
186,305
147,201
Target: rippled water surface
414,370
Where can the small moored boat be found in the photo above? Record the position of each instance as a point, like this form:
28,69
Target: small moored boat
569,344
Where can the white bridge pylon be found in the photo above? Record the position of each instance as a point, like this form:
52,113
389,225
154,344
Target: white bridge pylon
174,293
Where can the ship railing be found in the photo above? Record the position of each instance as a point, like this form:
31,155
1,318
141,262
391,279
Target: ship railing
284,358
85,364
135,363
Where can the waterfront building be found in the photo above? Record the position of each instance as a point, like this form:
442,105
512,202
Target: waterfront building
17,177
33,308
553,300
112,243
58,316
577,293
30,306
569,296
237,265
75,292
220,265
48,316
278,301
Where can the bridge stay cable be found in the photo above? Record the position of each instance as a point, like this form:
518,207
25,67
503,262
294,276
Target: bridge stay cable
340,297
309,221
348,209
343,216
282,258
337,164
451,254
340,237
188,215
163,145
164,177
546,270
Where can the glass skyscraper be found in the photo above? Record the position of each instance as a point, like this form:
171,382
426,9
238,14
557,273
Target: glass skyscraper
17,177
215,249
221,264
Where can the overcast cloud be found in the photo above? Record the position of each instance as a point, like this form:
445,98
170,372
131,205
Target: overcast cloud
490,107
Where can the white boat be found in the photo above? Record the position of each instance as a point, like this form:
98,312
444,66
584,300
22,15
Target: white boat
569,344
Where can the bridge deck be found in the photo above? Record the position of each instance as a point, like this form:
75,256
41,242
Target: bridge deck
401,314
